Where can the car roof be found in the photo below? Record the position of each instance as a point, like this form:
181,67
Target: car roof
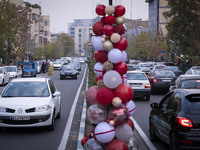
30,80
136,71
189,76
188,91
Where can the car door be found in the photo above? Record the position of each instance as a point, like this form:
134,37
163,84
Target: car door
5,76
56,99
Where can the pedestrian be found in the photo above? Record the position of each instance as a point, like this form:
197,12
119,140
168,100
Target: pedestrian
47,65
43,67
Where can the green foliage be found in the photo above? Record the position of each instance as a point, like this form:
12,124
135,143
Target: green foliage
91,63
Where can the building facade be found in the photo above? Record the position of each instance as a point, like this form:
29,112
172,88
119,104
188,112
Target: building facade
157,22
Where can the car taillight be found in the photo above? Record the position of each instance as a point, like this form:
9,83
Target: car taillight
184,122
154,80
147,86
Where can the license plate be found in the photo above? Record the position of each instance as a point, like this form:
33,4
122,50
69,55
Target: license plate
136,85
166,80
20,118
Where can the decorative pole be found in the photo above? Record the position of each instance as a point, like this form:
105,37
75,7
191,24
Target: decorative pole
110,2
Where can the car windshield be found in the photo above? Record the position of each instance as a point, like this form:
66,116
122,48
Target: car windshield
1,70
145,65
130,68
186,84
136,68
11,69
136,76
164,73
56,62
27,66
68,68
173,68
26,89
197,71
160,67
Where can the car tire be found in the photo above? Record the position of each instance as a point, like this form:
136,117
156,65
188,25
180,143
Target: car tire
147,97
173,143
52,126
152,132
75,77
3,83
59,113
61,78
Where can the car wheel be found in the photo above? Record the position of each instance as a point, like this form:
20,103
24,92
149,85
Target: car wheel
147,97
52,126
152,132
173,144
3,84
59,113
75,77
61,78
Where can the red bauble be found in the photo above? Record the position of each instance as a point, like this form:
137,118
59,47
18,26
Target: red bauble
108,30
84,140
97,28
119,28
125,92
121,45
101,56
117,145
121,68
104,96
100,10
130,123
103,20
110,19
97,78
119,10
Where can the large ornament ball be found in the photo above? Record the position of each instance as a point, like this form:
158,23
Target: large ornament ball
92,144
97,43
101,56
96,113
124,79
112,79
84,140
108,30
103,20
115,56
119,20
124,56
119,28
123,132
108,66
107,45
100,10
119,115
91,95
97,78
130,107
117,145
125,92
130,123
98,69
116,102
110,10
104,132
104,96
100,83
121,68
122,44
119,10
110,20
97,28
125,30
115,38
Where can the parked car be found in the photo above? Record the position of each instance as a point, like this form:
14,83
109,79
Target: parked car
186,82
175,69
176,119
139,82
193,71
30,102
28,69
68,71
161,79
57,65
13,71
4,76
159,67
39,66
145,67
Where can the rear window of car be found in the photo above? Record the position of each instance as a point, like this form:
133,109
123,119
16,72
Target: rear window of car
145,65
136,76
186,84
130,68
163,73
197,71
193,104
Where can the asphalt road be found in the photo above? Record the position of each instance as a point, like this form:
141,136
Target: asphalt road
40,138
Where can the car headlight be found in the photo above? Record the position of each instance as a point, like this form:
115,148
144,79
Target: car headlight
74,73
62,72
42,108
2,109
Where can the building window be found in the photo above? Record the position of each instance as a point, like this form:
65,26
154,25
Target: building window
79,40
79,30
79,35
46,23
41,41
79,45
45,33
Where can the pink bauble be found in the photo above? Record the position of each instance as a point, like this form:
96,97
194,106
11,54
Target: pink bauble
117,145
97,28
112,79
121,68
124,79
121,45
115,56
100,10
110,20
101,56
115,38
96,113
108,30
103,20
91,95
124,132
105,96
110,10
119,115
98,69
97,43
124,56
119,10
104,132
130,107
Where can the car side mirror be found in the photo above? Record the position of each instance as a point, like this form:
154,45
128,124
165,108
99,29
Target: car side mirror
56,94
154,105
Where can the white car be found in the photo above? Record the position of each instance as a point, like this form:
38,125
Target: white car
145,67
57,65
139,83
13,71
30,102
4,76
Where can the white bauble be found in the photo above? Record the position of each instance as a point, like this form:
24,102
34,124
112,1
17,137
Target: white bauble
98,69
124,132
124,56
110,10
115,55
97,43
112,79
130,106
115,38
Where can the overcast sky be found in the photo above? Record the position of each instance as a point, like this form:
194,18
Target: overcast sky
62,12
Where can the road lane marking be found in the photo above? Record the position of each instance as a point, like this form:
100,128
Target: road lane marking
143,135
65,136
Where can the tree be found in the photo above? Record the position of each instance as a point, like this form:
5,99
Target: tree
184,27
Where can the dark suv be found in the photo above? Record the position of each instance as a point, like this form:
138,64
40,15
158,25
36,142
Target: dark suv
176,119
